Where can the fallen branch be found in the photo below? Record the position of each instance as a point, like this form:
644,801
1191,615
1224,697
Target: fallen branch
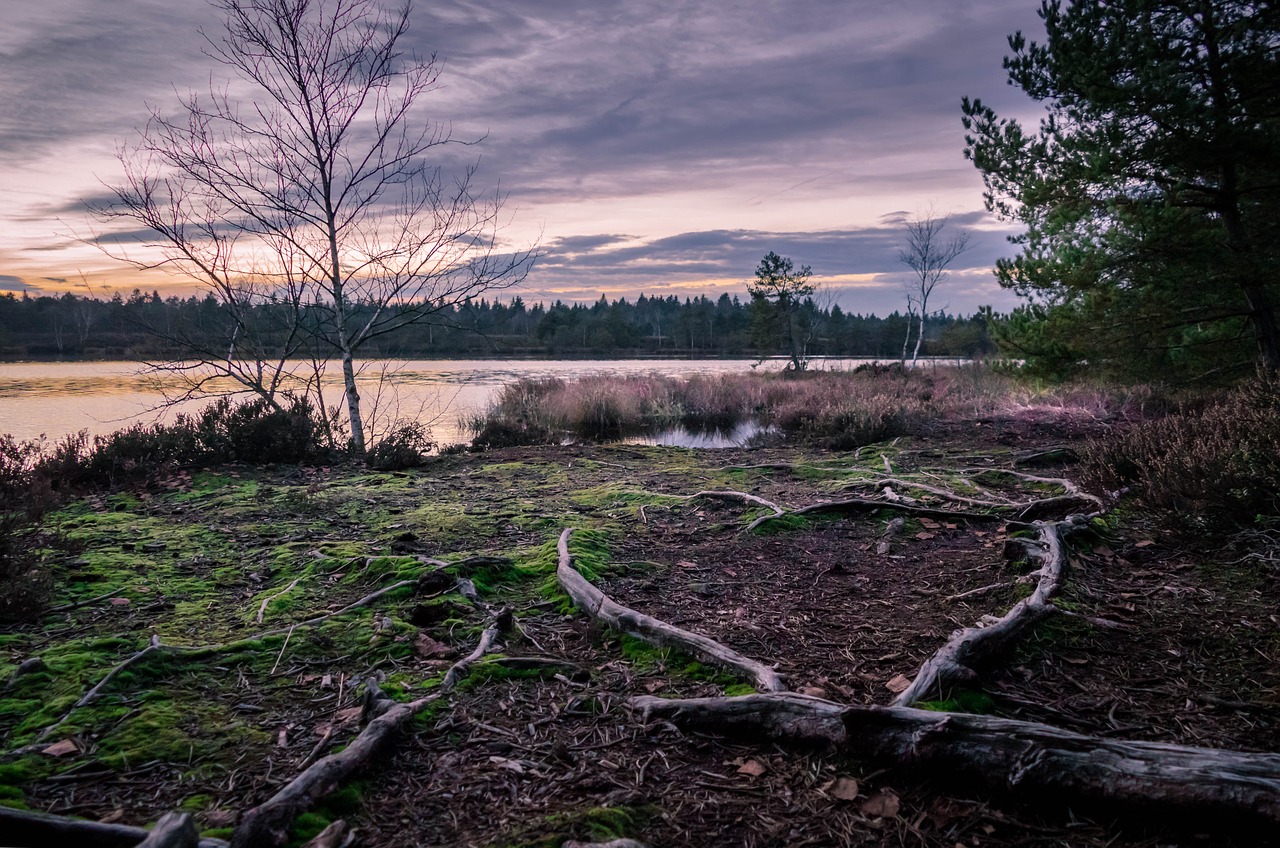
970,648
1005,755
269,823
601,607
29,828
746,498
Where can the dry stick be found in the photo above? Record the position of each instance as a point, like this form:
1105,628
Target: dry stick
262,610
78,604
26,827
601,607
269,823
867,505
972,646
1067,486
982,590
743,496
89,697
1005,755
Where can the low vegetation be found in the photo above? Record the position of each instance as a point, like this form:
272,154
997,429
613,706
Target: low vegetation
834,409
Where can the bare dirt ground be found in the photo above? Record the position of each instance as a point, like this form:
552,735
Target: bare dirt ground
534,753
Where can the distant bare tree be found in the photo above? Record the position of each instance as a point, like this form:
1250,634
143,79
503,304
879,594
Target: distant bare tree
928,254
313,195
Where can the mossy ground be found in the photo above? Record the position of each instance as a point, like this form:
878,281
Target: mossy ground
528,752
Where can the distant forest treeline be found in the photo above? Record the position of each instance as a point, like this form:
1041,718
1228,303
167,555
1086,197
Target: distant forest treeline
147,326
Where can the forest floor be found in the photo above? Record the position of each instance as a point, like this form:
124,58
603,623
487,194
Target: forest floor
533,752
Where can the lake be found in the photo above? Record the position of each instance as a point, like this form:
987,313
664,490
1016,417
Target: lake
56,398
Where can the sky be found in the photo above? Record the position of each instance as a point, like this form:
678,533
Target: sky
660,147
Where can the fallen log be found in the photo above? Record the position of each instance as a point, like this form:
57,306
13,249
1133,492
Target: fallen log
173,830
601,607
1022,758
28,828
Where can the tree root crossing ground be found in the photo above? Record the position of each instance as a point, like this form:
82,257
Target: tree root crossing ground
933,642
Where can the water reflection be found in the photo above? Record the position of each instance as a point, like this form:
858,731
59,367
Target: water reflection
739,436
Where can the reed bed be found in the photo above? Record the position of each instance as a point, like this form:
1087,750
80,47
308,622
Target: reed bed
839,409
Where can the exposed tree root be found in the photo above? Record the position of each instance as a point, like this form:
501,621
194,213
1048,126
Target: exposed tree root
968,649
1004,755
600,607
27,828
269,823
746,498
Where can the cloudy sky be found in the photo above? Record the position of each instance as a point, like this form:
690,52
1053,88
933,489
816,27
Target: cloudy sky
661,146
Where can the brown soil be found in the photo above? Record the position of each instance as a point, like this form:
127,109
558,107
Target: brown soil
531,760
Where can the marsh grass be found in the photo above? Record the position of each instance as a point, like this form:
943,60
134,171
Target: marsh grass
838,409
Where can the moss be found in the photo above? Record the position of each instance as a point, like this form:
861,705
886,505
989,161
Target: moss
306,827
781,524
735,690
961,701
196,803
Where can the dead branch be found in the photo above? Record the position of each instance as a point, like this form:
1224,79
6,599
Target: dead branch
601,607
1004,755
743,496
980,591
969,649
26,827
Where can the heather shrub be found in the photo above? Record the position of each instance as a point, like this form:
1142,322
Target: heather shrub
25,496
1214,464
253,431
406,445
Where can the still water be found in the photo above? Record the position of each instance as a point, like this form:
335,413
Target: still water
56,398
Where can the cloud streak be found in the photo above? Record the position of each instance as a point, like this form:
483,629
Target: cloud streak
658,144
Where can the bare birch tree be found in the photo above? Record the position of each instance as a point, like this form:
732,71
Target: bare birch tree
310,208
928,254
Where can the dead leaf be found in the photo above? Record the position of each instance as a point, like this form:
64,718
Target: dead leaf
1104,551
813,691
898,684
924,534
684,563
928,523
510,765
883,804
844,788
348,715
754,768
220,818
119,602
112,817
1145,543
427,647
652,686
61,749
1076,660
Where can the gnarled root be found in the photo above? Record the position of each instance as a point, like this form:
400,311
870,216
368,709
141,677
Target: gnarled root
601,607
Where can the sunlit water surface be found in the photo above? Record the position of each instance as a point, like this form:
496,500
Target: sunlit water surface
56,398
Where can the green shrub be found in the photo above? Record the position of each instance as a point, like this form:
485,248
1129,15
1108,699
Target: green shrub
1214,464
405,446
